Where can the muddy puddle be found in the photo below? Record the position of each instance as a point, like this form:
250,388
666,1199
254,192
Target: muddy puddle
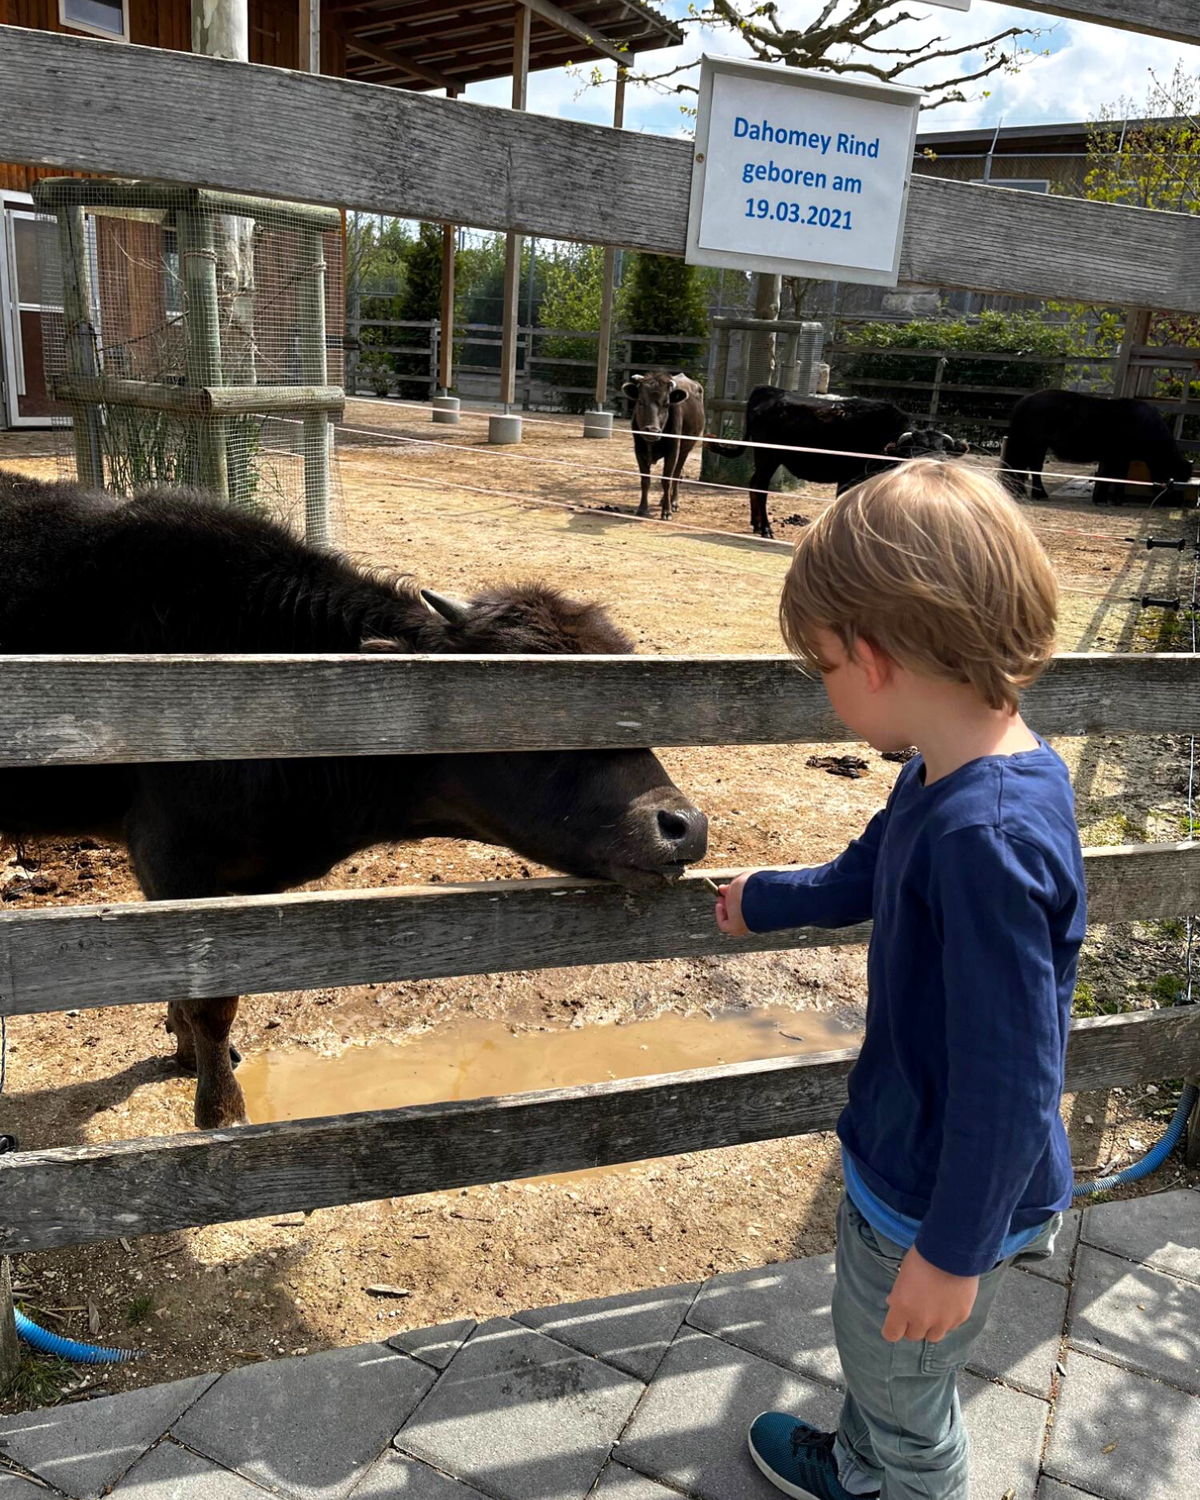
474,1059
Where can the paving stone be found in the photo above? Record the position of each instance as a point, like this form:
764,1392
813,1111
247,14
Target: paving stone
397,1477
434,1346
1162,1230
13,1487
1138,1317
1020,1341
170,1472
521,1416
83,1449
1122,1435
1006,1430
1057,1267
782,1312
1050,1489
690,1429
307,1427
632,1331
619,1483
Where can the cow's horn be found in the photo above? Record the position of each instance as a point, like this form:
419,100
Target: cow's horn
454,610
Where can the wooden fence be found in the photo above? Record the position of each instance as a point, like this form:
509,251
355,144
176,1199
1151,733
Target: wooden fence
59,710
179,118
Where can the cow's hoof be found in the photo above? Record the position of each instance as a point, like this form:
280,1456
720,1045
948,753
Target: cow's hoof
767,534
218,1111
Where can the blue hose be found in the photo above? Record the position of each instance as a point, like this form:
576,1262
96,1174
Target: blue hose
1154,1158
81,1354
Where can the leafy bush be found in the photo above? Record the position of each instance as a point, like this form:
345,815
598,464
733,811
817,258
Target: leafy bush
665,296
574,292
964,412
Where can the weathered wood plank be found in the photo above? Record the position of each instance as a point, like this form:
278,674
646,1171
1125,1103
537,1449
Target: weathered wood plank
58,710
81,956
147,113
1177,19
74,1195
203,401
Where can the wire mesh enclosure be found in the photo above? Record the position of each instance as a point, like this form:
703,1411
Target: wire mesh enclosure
194,338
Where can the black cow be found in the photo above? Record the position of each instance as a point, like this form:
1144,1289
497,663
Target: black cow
849,426
81,572
672,406
1111,431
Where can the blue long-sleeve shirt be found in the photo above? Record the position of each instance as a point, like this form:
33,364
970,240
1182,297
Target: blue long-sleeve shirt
976,888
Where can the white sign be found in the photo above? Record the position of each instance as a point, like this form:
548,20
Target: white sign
800,173
951,4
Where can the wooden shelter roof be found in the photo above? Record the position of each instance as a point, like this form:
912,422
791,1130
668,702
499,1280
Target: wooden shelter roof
428,44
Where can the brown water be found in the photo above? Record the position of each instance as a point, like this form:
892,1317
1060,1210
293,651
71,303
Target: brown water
475,1059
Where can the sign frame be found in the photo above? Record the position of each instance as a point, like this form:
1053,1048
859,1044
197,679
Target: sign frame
712,66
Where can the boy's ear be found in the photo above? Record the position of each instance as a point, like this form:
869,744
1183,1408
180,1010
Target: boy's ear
875,663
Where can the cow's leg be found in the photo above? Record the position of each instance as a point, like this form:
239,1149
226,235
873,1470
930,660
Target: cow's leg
643,462
1106,487
669,471
764,471
171,865
1035,462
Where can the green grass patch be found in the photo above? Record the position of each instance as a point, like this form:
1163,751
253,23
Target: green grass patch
139,1308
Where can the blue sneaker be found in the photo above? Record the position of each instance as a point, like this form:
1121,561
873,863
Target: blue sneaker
796,1458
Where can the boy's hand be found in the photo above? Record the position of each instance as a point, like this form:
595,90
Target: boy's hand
729,907
926,1303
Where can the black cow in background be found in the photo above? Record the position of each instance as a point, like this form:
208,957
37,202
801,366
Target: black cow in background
1111,431
848,426
671,408
171,572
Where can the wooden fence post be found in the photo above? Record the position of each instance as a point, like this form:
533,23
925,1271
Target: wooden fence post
1126,376
198,260
314,367
10,1349
80,342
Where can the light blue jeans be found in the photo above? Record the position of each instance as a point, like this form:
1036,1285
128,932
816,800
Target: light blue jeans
901,1428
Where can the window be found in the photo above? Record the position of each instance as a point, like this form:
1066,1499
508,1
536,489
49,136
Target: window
108,18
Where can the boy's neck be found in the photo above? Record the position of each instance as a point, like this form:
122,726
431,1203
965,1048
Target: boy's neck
962,729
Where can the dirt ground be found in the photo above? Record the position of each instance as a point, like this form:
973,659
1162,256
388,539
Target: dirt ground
439,503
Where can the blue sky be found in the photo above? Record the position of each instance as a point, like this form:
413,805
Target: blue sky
1087,66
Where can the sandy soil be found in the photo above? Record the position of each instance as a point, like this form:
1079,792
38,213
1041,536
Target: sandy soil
459,515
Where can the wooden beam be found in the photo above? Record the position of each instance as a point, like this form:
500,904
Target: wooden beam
309,60
561,20
75,1195
604,343
63,958
167,115
394,56
510,309
65,710
1177,19
200,401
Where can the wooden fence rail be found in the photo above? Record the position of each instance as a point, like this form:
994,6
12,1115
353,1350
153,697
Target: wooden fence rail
141,112
77,1194
57,710
79,956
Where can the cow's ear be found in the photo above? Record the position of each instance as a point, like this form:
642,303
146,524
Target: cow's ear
889,447
961,446
678,394
631,387
379,645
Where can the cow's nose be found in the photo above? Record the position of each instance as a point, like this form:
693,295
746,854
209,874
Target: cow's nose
685,830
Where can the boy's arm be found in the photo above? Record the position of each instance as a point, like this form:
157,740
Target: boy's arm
1004,1041
833,895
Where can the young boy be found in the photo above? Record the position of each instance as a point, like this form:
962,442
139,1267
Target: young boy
927,604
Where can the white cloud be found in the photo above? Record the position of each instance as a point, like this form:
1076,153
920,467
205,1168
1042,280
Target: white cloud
1088,66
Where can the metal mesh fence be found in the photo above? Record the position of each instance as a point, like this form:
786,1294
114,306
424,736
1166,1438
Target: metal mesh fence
195,338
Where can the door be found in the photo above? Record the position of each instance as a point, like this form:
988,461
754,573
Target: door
30,328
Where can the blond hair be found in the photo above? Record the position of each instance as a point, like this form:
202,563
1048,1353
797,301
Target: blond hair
933,564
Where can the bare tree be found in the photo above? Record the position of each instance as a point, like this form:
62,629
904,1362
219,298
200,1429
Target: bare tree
848,37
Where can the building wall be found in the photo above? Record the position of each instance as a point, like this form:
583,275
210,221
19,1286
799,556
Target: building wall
1065,174
274,40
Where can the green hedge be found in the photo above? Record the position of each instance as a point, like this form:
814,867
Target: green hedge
991,333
